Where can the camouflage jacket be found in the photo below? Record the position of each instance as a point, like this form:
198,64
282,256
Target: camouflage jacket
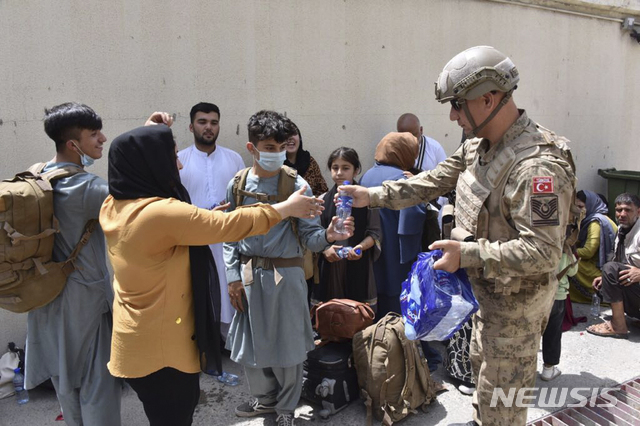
534,244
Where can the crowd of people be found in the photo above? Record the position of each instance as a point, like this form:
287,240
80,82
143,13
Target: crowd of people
209,254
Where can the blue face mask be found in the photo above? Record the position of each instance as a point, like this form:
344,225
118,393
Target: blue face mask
271,161
84,158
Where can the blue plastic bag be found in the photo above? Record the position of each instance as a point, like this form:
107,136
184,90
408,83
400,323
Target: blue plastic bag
435,304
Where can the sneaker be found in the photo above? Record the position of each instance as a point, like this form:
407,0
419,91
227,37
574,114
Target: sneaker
549,373
251,409
466,390
285,419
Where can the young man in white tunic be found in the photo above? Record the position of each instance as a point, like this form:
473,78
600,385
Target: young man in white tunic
207,169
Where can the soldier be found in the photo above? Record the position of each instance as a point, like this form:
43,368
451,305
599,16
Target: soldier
515,184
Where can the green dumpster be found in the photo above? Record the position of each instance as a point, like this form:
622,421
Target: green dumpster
619,181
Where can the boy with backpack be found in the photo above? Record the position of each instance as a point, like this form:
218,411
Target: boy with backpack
270,333
68,339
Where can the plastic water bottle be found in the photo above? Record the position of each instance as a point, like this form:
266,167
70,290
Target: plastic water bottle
228,379
595,305
22,395
344,251
343,209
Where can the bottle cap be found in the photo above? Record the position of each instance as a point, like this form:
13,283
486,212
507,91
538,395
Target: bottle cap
346,182
16,370
358,252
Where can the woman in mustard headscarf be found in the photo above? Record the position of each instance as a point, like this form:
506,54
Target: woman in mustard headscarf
401,229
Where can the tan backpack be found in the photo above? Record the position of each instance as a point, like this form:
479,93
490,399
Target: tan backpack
393,377
286,187
28,277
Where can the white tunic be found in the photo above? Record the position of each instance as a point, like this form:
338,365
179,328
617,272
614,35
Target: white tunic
430,154
206,177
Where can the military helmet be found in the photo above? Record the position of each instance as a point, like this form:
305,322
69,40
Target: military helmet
474,72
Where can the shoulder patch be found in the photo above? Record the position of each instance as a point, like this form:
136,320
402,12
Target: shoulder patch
544,210
542,185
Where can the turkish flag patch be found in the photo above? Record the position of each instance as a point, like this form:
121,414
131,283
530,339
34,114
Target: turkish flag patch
543,184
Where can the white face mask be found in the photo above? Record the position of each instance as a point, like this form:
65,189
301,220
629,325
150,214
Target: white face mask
271,161
84,158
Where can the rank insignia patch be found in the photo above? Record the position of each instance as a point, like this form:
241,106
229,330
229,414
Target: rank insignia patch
544,210
543,185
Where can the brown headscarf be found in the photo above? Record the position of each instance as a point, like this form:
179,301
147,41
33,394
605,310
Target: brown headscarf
398,149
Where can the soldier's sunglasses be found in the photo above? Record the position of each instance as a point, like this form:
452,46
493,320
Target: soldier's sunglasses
457,103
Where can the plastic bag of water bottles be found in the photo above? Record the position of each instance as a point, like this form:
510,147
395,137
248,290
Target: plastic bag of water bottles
435,304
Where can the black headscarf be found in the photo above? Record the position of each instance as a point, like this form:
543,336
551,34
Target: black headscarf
303,159
358,270
142,164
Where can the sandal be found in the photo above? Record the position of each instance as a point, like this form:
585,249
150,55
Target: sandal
605,330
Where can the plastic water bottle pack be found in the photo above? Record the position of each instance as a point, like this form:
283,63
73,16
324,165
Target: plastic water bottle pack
344,251
435,304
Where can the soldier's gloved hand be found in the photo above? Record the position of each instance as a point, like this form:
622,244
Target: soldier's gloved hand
450,260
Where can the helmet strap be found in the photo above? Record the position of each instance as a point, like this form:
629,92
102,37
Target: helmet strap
497,109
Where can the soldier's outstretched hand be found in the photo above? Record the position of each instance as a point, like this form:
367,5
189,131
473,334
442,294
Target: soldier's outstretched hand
450,260
360,194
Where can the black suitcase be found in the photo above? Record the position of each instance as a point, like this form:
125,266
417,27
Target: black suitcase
329,377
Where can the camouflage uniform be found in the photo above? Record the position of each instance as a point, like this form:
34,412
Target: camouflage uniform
514,199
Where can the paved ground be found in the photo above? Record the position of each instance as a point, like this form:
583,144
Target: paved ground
587,361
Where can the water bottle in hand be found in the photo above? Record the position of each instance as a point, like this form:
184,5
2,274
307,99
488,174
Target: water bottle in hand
595,305
343,209
344,251
18,383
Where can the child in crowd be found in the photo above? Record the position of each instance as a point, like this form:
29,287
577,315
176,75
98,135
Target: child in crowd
552,337
271,334
352,277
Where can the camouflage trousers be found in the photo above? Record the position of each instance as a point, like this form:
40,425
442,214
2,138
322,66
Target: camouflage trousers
504,348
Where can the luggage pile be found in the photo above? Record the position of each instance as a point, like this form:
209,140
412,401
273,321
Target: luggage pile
355,358
329,378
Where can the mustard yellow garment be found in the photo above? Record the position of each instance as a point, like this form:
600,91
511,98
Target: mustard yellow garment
147,240
587,268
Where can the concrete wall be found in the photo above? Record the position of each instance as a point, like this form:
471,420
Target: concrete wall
619,9
343,70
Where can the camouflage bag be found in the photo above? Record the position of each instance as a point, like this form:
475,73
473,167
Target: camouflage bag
393,376
28,277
